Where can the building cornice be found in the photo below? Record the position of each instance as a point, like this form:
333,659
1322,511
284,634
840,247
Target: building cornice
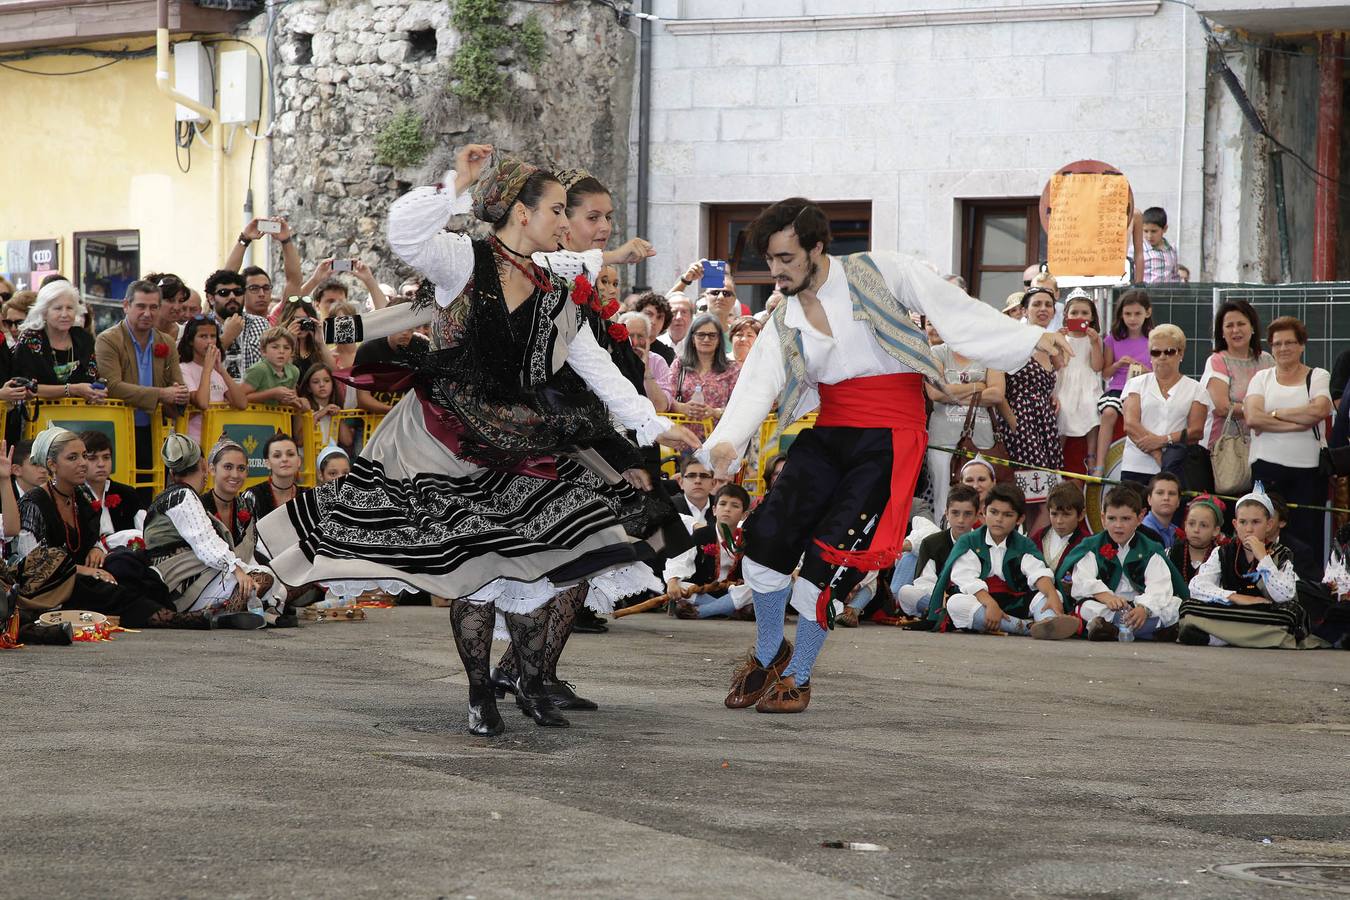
1040,12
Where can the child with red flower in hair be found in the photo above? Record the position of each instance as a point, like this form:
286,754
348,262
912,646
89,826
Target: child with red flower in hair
714,558
1204,533
1121,580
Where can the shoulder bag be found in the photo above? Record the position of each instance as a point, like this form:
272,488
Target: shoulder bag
966,443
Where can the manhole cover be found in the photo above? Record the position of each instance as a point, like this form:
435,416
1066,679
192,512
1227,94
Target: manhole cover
1334,877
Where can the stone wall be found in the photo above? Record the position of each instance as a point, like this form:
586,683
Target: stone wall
345,67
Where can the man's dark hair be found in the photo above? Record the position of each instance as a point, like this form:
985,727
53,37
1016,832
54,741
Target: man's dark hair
1007,493
1155,215
1125,495
95,442
141,286
329,284
662,305
735,492
1066,496
689,459
1281,507
963,493
22,451
807,220
55,276
1163,476
222,277
253,271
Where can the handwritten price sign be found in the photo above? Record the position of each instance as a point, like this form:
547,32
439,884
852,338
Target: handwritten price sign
1088,221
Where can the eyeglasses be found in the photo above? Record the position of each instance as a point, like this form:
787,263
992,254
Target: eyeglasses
696,476
1280,345
720,292
705,335
259,288
13,323
1156,352
229,292
5,295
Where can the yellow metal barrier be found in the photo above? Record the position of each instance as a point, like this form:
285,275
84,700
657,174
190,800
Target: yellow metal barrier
768,449
114,418
670,459
354,428
249,427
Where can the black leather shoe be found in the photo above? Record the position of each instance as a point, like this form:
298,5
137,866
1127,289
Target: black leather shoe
484,720
502,684
536,703
242,621
1102,630
564,697
51,635
589,623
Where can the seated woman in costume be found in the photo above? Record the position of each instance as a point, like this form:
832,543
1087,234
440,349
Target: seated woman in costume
281,454
192,551
228,464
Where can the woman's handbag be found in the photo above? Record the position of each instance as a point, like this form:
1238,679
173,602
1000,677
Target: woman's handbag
1191,464
45,578
1232,468
966,442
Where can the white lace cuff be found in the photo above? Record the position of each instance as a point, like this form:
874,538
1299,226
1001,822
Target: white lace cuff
653,428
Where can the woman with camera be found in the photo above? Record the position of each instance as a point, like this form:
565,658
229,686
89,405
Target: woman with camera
55,353
301,319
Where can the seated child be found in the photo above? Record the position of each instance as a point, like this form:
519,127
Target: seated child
963,514
712,559
995,579
1068,523
272,379
920,527
1246,593
1164,499
1204,531
1122,581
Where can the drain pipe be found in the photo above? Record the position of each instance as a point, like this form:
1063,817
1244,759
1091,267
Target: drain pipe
644,132
218,146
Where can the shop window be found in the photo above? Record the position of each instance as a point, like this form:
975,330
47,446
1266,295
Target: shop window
106,263
728,238
999,239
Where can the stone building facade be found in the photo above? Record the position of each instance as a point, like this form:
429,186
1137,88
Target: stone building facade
345,68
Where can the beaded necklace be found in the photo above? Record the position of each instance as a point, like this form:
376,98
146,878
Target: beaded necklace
541,283
74,514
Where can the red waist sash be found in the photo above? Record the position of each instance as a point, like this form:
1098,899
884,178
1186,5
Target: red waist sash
895,402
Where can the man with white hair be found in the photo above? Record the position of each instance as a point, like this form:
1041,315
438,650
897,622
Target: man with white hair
640,336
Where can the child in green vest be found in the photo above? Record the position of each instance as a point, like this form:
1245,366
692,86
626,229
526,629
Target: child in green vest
1122,581
995,579
963,514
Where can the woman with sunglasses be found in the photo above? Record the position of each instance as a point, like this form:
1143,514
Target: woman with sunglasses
702,379
54,351
1161,407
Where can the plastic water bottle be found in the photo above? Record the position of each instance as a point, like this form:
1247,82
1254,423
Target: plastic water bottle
697,396
1126,633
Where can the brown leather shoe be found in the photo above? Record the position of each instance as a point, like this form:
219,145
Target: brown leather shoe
1102,630
848,618
1059,628
751,680
784,697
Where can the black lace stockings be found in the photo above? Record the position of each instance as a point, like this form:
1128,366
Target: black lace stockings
472,624
562,617
529,637
172,618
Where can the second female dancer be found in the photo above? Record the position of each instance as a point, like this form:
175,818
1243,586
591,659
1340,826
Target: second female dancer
479,484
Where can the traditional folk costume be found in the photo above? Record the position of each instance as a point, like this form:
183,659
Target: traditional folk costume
477,485
930,560
844,496
1209,617
1054,545
1008,570
1137,571
715,558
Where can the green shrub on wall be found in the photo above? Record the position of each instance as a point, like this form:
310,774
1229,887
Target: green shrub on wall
476,73
401,141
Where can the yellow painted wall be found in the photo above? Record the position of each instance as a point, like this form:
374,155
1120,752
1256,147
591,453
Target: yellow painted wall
95,151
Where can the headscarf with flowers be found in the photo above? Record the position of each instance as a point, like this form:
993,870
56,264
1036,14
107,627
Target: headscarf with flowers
499,186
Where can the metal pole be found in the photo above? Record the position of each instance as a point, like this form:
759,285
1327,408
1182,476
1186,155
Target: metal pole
1281,216
1326,201
644,131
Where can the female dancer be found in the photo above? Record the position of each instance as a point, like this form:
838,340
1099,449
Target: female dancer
464,490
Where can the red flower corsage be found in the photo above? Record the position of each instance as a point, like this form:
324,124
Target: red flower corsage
618,332
96,506
1178,533
709,549
243,516
1109,551
609,309
136,543
161,351
582,291
1223,540
113,501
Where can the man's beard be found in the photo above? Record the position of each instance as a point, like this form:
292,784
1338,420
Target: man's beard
793,290
225,310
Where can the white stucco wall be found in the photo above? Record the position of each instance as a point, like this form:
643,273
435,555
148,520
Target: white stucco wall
916,118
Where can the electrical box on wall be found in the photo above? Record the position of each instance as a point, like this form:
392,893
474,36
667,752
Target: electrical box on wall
240,87
192,76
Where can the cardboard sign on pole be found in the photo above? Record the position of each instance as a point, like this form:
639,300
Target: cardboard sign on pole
1086,209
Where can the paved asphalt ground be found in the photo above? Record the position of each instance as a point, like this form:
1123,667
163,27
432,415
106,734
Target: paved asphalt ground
330,761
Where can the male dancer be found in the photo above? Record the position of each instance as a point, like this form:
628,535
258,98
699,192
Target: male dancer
844,341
